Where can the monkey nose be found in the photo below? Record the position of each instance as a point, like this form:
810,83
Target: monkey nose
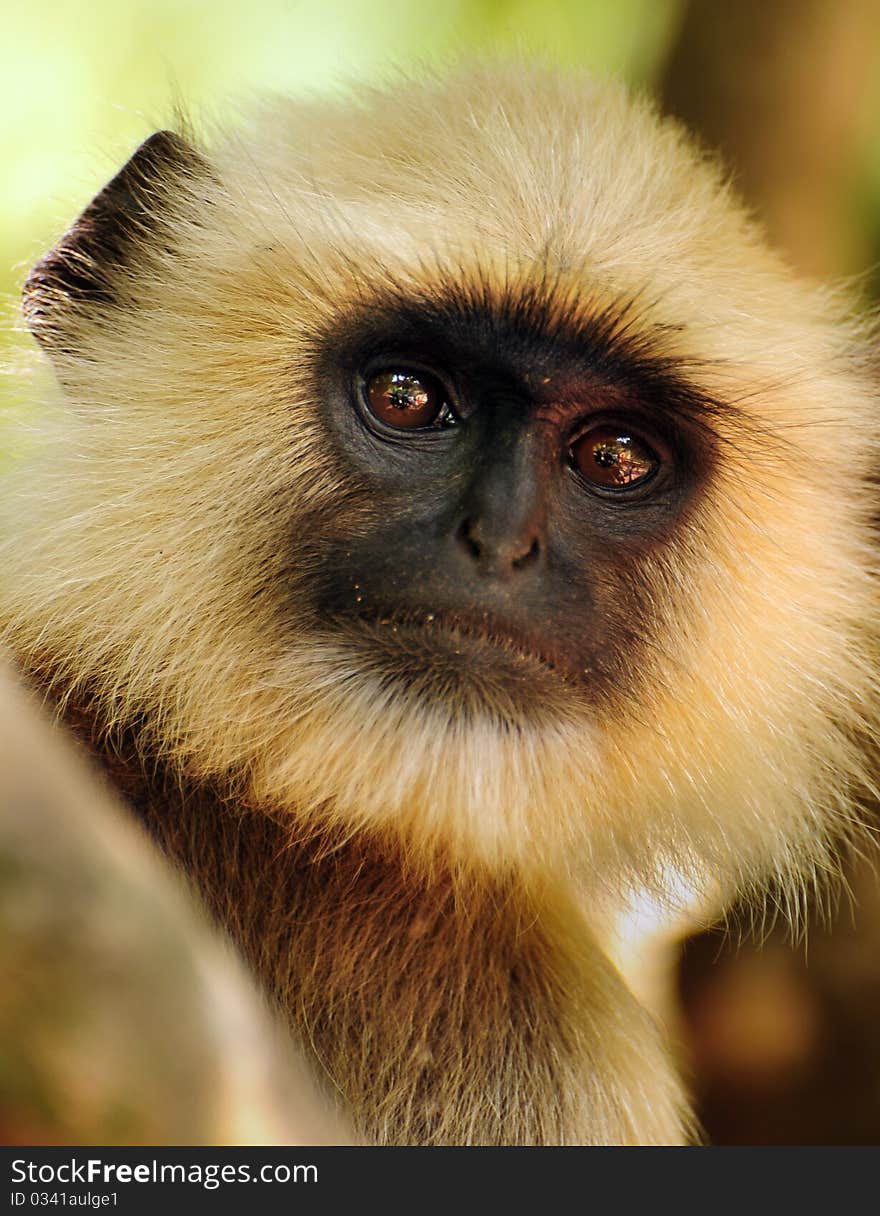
495,553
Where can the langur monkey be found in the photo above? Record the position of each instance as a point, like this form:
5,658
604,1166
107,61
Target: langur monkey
453,531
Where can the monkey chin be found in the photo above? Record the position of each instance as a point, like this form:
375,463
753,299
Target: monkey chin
472,667
470,752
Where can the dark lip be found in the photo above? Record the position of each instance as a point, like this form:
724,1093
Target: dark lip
484,628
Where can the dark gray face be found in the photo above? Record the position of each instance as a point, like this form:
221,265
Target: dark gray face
522,474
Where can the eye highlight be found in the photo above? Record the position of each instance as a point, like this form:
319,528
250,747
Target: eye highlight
612,458
407,399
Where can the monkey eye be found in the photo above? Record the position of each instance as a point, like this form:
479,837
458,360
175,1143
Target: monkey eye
407,399
610,457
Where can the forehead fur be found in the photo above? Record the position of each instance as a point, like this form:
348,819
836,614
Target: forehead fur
528,167
507,175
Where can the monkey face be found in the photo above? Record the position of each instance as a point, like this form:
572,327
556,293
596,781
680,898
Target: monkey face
521,469
482,484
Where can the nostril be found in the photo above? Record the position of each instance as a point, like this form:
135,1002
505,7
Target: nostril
496,556
467,538
528,556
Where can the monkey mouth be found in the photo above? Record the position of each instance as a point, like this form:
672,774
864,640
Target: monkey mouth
495,644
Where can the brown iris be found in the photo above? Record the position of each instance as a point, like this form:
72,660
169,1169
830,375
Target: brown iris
610,457
406,399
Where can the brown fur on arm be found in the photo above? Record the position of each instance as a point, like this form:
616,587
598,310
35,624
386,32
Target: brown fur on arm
440,1009
444,1012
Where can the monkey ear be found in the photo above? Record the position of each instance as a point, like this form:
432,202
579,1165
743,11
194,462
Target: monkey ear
83,271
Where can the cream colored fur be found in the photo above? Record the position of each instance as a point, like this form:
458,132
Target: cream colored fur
144,546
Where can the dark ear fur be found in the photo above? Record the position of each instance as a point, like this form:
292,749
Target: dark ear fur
82,269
